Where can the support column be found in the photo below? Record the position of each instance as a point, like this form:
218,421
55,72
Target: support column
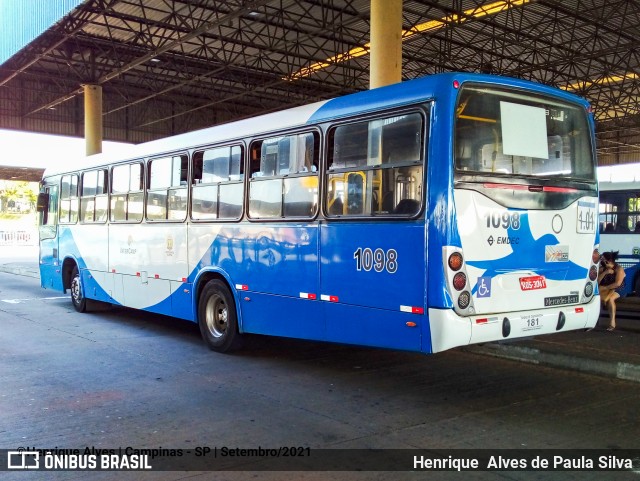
386,43
93,118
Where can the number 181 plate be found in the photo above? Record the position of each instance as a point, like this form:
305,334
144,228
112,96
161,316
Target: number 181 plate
533,282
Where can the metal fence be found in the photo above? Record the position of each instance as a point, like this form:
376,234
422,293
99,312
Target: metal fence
18,237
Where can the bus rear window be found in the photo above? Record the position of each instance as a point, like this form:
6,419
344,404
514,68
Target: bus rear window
501,132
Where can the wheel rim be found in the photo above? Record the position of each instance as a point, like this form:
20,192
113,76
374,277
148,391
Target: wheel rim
76,291
216,316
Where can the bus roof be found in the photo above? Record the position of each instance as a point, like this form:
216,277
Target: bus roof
404,93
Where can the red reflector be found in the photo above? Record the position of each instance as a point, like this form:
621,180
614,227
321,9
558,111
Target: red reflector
411,324
506,186
559,189
138,274
157,276
333,298
482,321
417,310
312,297
113,271
579,309
530,188
456,84
184,279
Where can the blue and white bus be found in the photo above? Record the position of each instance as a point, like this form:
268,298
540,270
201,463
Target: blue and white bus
439,212
619,220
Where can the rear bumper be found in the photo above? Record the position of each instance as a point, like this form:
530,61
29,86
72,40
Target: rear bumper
449,330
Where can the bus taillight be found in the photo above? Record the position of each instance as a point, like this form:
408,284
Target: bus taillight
464,300
455,261
593,273
459,281
595,257
588,289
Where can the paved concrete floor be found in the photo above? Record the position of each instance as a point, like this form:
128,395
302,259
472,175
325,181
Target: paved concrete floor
124,378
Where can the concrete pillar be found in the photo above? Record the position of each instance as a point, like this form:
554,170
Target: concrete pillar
93,118
386,43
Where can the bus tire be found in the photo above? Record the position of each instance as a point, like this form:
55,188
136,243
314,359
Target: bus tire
217,317
77,296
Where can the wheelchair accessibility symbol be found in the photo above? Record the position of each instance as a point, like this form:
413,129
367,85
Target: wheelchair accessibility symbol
484,286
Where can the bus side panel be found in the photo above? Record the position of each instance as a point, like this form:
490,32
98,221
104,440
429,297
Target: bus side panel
282,260
182,300
281,266
368,326
92,285
274,266
87,243
281,316
159,289
380,266
151,259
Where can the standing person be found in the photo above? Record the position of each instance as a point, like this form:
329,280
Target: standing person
610,278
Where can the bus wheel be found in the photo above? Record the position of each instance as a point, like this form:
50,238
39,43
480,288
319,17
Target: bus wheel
77,297
217,317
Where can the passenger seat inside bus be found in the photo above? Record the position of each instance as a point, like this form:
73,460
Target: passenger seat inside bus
407,206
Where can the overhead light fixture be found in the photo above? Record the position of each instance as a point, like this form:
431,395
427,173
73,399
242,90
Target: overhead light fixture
611,79
430,26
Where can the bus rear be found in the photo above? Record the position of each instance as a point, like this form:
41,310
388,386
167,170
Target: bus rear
523,258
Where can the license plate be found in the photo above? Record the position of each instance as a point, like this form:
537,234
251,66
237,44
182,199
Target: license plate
533,282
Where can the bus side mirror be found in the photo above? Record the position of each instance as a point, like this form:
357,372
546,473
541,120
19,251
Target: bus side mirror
42,205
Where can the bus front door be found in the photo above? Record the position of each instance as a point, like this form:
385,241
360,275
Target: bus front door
50,269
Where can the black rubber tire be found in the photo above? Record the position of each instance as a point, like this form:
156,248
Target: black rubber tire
77,296
217,317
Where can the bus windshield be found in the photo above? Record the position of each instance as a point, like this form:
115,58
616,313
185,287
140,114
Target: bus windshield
508,133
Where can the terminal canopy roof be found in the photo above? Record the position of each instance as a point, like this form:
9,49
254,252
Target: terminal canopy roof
170,66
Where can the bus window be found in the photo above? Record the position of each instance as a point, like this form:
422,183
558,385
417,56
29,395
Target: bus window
376,167
69,199
217,188
167,192
94,202
49,214
284,177
127,192
619,212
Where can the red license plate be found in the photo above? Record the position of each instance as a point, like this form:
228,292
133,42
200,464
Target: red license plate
533,282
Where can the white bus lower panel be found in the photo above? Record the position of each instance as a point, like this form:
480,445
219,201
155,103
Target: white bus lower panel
449,330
